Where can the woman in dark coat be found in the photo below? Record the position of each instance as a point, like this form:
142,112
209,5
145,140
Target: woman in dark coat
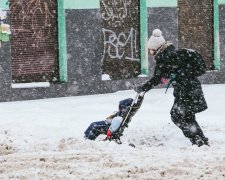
182,67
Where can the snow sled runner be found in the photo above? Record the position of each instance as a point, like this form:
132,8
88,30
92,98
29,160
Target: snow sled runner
127,116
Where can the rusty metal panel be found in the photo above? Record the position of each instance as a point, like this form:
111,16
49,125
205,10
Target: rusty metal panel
34,43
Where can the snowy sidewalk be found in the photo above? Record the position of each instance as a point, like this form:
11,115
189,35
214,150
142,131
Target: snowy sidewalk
43,139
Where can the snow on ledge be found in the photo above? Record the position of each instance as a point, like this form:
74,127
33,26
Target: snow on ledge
105,77
142,75
31,85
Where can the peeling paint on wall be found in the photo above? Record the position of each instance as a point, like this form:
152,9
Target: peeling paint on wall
4,32
2,14
4,27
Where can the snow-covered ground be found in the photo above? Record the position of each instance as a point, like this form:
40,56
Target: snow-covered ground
43,139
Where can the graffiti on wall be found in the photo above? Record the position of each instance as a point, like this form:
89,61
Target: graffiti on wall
116,12
120,36
34,46
31,10
114,44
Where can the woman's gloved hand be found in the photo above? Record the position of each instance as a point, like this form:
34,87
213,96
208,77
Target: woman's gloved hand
138,89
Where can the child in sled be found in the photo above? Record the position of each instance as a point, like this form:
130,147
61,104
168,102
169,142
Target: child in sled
110,125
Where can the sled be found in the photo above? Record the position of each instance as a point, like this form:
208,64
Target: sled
128,115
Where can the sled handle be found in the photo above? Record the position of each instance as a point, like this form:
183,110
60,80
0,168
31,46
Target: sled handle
134,101
136,97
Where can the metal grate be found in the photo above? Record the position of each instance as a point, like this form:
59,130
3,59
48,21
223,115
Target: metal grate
34,44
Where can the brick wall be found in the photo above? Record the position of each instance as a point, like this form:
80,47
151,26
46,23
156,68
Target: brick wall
196,27
34,44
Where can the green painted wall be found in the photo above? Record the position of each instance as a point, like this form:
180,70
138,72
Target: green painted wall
161,3
82,4
221,1
216,36
144,37
62,42
4,4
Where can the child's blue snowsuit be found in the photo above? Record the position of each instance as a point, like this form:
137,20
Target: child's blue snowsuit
95,129
101,127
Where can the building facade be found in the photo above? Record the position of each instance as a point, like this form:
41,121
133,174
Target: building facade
57,48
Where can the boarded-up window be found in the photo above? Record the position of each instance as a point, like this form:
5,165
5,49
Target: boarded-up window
34,42
196,27
121,38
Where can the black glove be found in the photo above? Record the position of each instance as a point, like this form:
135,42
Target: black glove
138,89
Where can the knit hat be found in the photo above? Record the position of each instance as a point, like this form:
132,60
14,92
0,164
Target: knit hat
156,40
123,104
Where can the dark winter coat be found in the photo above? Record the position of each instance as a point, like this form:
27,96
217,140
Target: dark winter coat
171,63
